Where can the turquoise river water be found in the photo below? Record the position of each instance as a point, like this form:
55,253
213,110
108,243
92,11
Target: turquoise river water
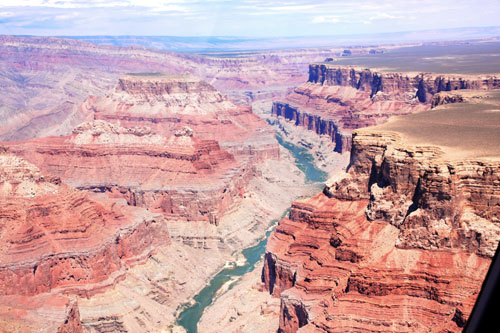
190,316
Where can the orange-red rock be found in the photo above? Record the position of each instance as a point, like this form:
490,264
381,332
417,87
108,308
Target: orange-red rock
54,236
403,240
161,150
50,313
178,175
47,78
55,239
336,100
167,103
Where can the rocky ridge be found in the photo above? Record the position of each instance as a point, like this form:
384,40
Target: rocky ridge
154,141
45,79
166,103
213,201
180,176
337,100
60,240
402,241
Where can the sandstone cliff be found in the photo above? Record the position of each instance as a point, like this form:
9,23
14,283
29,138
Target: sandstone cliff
424,85
157,144
44,79
179,176
336,100
56,240
166,103
403,240
56,236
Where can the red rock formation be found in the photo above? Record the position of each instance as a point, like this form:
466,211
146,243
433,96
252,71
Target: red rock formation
166,103
54,236
46,78
337,100
403,240
46,312
156,163
55,239
179,176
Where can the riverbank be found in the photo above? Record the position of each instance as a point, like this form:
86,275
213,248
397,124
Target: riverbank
319,147
236,307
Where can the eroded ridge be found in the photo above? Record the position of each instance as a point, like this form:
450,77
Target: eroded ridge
337,100
400,242
179,175
57,240
166,103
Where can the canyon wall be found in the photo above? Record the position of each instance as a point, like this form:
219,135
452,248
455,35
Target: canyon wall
179,176
56,240
195,170
336,100
56,236
169,143
426,84
400,242
45,79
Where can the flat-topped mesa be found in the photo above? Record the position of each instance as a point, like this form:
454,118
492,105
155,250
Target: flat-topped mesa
166,103
402,241
337,100
171,89
59,238
180,176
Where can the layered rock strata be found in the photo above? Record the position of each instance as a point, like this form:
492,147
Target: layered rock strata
50,229
180,176
166,103
45,79
425,85
152,295
155,140
336,100
403,240
56,239
45,312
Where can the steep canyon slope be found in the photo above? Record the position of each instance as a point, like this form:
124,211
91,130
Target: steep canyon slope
403,239
339,99
45,79
161,156
163,151
58,240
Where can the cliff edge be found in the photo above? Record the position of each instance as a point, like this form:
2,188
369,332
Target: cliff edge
337,100
403,240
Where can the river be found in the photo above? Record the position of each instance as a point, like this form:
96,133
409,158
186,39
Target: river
190,316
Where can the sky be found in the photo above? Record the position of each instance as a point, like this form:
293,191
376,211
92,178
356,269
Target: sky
245,18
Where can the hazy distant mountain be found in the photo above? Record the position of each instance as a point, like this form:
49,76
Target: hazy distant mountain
218,43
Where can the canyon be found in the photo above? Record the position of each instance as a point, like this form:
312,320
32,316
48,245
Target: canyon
339,99
165,176
57,238
401,241
168,158
44,80
146,190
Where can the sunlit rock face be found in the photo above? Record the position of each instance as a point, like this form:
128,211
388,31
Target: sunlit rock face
45,79
56,240
402,241
178,175
156,142
337,100
166,103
